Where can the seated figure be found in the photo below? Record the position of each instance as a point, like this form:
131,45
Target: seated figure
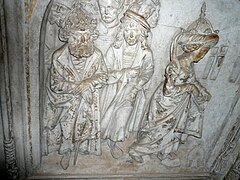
176,107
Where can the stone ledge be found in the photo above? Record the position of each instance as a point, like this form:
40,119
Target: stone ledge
183,176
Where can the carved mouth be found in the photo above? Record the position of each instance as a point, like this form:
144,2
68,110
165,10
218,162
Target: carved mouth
131,41
107,17
81,50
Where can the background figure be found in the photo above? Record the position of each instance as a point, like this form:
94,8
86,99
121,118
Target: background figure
130,65
110,11
128,3
77,72
177,106
148,9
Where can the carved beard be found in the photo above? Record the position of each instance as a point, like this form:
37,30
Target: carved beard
79,50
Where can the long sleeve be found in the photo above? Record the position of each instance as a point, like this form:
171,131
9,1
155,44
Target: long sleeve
61,78
147,69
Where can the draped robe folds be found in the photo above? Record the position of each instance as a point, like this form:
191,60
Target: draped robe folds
106,36
120,116
170,115
77,118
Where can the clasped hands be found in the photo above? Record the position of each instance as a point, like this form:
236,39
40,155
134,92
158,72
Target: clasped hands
86,87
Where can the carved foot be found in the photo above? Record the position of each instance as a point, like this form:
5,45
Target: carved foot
169,160
134,155
138,159
171,163
65,160
116,151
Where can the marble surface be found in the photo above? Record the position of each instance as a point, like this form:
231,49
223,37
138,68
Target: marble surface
218,72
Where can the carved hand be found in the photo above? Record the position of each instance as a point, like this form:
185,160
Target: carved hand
132,72
87,96
99,80
131,97
205,94
83,86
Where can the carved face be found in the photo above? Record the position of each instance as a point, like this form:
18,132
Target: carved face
81,44
190,47
131,33
109,10
58,13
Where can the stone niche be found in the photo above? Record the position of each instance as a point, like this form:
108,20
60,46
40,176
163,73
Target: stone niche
120,89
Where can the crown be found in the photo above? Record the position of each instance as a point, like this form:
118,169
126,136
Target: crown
78,20
202,24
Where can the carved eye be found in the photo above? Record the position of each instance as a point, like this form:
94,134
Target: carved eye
132,25
109,8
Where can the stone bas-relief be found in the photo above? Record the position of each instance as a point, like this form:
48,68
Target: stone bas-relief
97,76
130,67
109,22
76,73
177,106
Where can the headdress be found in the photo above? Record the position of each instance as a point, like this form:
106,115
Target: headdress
202,26
138,18
195,34
77,20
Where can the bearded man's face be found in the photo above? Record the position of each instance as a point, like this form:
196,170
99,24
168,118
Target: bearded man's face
81,44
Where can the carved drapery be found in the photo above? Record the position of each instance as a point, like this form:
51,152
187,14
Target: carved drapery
217,64
226,156
122,106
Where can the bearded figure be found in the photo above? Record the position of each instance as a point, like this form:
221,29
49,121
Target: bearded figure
76,74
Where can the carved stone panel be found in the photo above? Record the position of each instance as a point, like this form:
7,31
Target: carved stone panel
121,89
98,105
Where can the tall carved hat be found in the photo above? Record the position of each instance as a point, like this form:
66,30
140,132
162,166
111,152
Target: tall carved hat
196,31
202,25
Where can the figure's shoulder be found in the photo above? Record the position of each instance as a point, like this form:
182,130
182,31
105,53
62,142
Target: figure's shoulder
59,51
147,51
98,53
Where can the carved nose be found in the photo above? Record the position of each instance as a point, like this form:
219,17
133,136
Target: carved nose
82,39
131,35
106,11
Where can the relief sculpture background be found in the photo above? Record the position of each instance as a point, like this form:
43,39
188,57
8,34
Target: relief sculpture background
99,100
118,89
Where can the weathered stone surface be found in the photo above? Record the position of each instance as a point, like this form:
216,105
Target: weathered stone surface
74,111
